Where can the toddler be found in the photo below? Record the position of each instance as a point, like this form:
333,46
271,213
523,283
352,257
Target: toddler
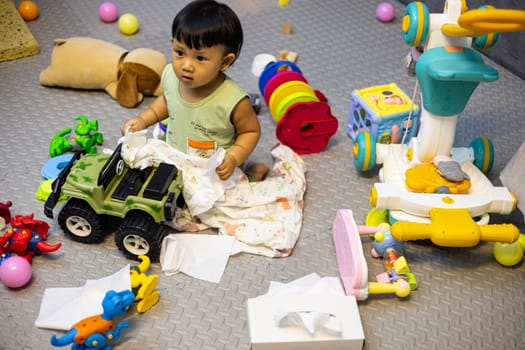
206,109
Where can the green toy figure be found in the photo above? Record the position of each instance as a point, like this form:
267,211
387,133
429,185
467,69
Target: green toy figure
86,140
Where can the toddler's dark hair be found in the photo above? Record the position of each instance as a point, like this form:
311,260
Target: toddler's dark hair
206,23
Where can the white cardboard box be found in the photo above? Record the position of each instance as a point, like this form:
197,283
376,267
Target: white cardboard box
265,334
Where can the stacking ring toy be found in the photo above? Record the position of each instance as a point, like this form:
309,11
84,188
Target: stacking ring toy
304,120
287,89
307,127
53,166
274,68
288,101
281,78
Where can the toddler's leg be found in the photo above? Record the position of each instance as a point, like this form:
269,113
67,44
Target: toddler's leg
256,171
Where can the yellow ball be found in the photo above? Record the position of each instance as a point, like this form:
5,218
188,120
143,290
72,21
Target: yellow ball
508,254
128,24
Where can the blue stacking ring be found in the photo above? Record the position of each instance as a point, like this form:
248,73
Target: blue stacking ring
273,68
52,168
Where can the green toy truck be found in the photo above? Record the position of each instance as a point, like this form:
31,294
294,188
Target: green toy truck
101,186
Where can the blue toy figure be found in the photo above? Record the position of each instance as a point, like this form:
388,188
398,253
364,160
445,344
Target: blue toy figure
94,332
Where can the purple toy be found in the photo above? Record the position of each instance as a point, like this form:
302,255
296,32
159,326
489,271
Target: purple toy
108,12
15,271
385,12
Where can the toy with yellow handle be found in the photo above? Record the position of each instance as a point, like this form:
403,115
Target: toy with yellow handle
490,20
454,228
353,268
449,71
400,288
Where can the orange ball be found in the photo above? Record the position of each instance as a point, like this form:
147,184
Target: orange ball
28,10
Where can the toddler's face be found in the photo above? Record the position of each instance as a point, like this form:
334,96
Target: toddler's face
198,68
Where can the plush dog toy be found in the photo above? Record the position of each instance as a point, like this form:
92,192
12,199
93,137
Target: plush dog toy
92,64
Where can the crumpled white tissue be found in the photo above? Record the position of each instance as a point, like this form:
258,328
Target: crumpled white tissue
199,255
202,186
61,308
312,321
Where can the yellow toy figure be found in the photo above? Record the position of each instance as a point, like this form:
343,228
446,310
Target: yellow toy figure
143,286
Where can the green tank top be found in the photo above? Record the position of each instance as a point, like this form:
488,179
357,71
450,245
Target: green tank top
204,121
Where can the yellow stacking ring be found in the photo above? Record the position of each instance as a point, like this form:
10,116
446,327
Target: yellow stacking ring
284,90
286,102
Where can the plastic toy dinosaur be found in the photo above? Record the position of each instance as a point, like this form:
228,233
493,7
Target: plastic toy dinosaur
60,143
26,238
143,286
84,127
87,143
94,332
5,214
84,138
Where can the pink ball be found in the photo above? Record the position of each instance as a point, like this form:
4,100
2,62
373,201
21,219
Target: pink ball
15,272
108,12
385,12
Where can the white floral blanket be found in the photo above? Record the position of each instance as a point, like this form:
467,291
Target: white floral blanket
265,216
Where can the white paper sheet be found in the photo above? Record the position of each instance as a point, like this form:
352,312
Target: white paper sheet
61,308
202,256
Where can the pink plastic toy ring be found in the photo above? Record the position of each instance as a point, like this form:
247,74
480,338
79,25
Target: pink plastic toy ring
281,78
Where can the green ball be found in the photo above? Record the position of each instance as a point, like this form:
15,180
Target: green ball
508,254
128,24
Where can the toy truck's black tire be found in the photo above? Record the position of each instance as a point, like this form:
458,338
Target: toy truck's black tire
80,222
138,234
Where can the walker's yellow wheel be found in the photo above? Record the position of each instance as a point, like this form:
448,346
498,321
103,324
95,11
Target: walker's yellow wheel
376,217
483,151
484,21
364,151
415,23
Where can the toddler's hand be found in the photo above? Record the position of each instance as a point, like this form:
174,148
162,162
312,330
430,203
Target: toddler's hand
134,124
227,167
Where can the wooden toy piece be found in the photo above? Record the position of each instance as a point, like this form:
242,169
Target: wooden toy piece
288,55
287,28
